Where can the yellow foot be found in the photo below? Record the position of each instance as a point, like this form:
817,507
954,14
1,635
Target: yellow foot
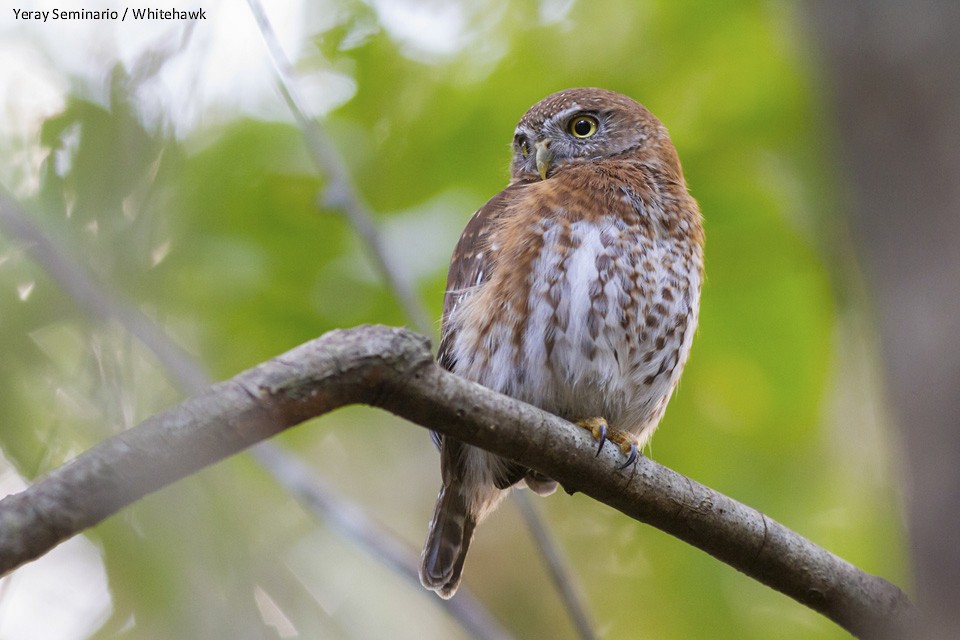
597,426
601,431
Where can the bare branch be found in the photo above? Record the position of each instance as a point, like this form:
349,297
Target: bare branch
180,366
189,375
556,565
340,194
315,495
393,369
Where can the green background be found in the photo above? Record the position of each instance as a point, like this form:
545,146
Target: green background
218,237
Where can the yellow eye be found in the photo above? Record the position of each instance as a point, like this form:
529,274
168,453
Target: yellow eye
523,145
583,126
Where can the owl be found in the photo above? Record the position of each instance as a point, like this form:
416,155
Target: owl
575,289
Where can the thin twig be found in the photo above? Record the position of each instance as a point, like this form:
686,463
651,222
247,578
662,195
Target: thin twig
181,368
556,565
343,196
394,369
354,524
340,193
187,374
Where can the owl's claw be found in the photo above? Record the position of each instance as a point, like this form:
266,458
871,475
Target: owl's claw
623,439
597,427
628,445
631,457
602,438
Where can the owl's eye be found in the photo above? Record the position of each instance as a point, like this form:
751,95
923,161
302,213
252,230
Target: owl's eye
583,126
523,145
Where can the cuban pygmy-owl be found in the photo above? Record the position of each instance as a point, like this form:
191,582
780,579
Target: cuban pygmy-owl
575,289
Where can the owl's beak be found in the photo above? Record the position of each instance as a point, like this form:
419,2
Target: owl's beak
544,156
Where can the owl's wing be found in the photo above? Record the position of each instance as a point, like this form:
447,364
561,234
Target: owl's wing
469,267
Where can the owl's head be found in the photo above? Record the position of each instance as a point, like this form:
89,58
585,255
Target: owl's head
581,125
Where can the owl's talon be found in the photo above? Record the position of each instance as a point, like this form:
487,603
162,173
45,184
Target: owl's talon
602,438
597,427
602,433
631,458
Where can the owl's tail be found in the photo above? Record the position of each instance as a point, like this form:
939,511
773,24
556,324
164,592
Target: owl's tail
447,542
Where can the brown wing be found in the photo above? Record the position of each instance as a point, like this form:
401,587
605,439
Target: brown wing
469,266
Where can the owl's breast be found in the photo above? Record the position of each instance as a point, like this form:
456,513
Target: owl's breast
586,318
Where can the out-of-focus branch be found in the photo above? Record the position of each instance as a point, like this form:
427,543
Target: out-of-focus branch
340,192
315,494
394,369
187,374
181,368
556,565
891,82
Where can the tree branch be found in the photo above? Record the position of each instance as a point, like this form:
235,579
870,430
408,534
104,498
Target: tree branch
393,369
315,495
340,193
556,563
382,544
182,369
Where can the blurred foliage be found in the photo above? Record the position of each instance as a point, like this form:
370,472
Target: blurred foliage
217,235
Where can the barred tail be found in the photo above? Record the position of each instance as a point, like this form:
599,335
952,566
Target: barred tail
447,542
